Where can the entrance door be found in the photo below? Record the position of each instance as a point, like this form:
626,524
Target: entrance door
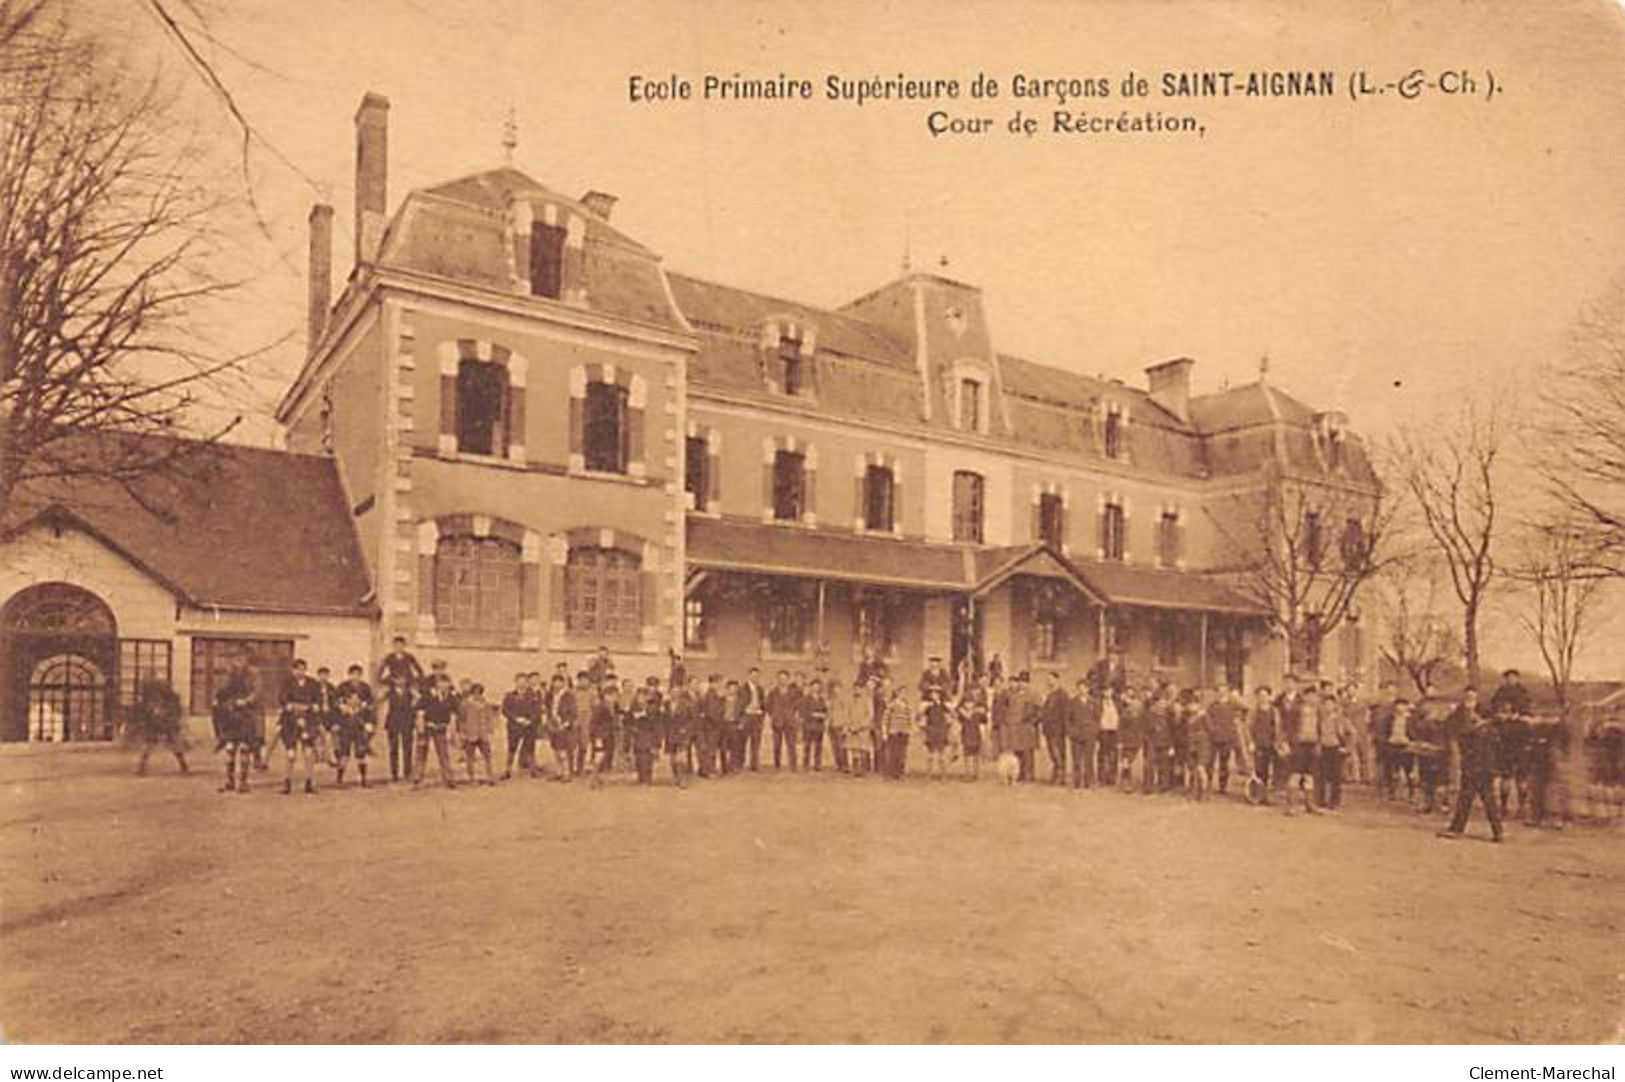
67,700
58,657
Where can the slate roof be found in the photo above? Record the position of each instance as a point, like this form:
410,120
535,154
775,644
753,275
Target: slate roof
223,526
459,230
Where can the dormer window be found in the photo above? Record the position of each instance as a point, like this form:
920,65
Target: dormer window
970,405
791,364
1112,433
546,260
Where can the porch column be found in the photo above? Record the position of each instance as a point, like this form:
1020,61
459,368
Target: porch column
1203,674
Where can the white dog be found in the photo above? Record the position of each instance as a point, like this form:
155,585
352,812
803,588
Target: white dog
1009,768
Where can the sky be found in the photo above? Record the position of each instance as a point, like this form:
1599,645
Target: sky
1389,256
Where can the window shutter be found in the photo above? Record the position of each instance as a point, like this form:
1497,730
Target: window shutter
860,495
769,494
448,409
809,491
1179,542
1100,531
1038,517
578,425
515,422
1065,512
634,438
713,479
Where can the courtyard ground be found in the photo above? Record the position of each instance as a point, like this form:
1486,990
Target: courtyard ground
779,909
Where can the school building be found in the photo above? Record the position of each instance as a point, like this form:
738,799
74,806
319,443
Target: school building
525,438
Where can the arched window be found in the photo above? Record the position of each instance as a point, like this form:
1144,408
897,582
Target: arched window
477,585
603,595
605,431
482,408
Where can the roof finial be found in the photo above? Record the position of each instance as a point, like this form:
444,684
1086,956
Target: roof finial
510,135
1264,367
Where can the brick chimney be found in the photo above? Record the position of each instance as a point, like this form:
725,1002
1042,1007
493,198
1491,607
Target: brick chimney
600,203
1170,383
371,175
321,274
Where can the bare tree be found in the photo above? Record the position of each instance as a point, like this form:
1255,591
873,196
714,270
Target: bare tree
105,250
1559,572
1584,464
1418,640
1452,472
1302,548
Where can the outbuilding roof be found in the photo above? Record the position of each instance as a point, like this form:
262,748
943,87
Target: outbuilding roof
219,525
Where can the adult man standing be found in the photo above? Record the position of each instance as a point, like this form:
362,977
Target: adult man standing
783,713
752,712
1480,749
521,710
1052,722
1021,725
1083,733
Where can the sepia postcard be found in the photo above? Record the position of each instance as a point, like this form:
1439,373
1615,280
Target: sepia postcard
703,523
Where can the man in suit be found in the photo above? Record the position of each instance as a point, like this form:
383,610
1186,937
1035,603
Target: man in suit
1021,725
1083,732
752,712
783,714
1052,722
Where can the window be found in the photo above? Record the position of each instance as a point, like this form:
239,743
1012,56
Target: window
212,659
1112,437
696,624
1113,532
141,660
1044,644
786,619
1046,634
1165,639
482,408
1314,545
968,506
696,461
476,585
879,512
1168,539
604,428
546,260
1353,545
970,405
789,486
603,593
1337,450
791,365
876,631
1051,520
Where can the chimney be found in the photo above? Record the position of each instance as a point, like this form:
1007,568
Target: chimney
1170,383
321,274
371,175
600,203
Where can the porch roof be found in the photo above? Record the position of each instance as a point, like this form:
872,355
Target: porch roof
1161,588
773,549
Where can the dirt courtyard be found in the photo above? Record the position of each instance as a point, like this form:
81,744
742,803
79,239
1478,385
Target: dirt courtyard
779,909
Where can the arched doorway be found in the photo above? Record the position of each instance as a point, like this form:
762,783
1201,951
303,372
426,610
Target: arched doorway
58,651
